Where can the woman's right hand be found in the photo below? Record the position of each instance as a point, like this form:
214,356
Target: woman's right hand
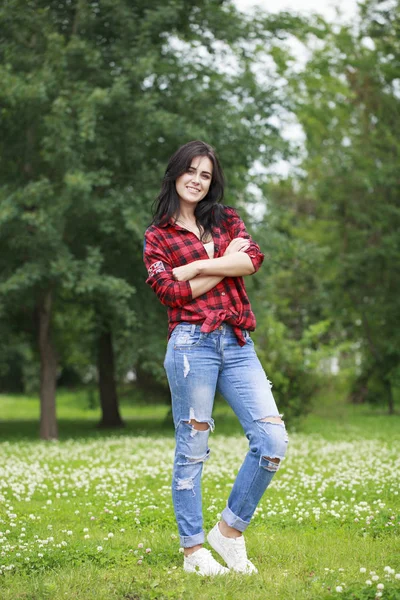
237,245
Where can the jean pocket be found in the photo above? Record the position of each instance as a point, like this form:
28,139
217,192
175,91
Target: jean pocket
187,339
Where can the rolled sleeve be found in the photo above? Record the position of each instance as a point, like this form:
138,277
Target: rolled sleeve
171,293
237,228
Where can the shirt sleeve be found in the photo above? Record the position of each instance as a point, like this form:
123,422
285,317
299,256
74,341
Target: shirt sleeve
237,228
159,268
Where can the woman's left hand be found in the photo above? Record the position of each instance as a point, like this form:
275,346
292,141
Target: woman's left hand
186,272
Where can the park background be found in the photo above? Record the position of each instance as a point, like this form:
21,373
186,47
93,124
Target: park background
303,110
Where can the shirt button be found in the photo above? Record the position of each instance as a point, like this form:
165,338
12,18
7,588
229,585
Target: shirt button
223,294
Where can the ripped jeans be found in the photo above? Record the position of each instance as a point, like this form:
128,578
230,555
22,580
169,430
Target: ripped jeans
198,364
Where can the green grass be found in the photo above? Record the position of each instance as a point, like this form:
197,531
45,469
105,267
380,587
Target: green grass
332,509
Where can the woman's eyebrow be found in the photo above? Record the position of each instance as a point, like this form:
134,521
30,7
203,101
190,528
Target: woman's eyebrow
195,169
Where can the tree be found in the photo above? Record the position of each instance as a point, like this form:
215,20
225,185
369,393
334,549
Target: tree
347,101
95,97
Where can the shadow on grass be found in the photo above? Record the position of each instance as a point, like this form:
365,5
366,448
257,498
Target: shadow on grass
28,429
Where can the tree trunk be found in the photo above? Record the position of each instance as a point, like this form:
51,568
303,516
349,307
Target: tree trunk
107,388
389,396
48,371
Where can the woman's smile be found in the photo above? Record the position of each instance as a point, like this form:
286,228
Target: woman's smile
194,184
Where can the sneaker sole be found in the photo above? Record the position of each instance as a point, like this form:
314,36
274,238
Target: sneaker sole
192,569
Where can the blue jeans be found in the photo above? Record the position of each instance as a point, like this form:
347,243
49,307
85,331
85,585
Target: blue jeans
198,364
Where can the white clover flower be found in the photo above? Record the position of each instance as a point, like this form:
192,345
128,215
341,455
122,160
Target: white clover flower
69,532
110,535
375,578
368,582
397,576
380,586
99,548
85,530
87,536
363,570
339,589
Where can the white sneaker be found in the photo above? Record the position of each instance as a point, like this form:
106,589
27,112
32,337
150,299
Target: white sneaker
202,562
232,550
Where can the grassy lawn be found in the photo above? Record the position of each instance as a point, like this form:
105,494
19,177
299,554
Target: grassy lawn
91,516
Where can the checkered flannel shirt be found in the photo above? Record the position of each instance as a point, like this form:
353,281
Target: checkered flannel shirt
171,246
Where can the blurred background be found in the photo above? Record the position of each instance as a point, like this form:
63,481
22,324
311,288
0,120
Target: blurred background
300,99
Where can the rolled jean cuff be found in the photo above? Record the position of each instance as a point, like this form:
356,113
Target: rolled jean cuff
233,521
187,541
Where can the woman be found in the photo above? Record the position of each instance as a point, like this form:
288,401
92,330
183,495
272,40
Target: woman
196,253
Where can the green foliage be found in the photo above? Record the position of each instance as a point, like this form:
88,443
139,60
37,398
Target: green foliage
345,197
290,363
95,99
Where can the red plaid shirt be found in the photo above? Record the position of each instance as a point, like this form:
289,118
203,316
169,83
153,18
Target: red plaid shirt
172,246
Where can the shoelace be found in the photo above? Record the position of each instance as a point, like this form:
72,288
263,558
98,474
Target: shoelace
240,554
205,555
205,559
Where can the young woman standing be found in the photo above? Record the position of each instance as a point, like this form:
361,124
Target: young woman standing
197,252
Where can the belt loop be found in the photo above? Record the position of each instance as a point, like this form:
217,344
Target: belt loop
193,329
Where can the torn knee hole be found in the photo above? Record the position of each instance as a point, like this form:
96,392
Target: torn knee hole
274,460
185,484
197,425
271,420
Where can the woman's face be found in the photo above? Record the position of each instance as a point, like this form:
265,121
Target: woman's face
193,185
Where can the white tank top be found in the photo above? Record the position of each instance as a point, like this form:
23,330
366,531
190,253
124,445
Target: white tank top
209,248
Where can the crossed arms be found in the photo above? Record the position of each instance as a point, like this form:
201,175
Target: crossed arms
203,275
176,286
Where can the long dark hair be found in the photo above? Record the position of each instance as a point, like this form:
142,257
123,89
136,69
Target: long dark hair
208,210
